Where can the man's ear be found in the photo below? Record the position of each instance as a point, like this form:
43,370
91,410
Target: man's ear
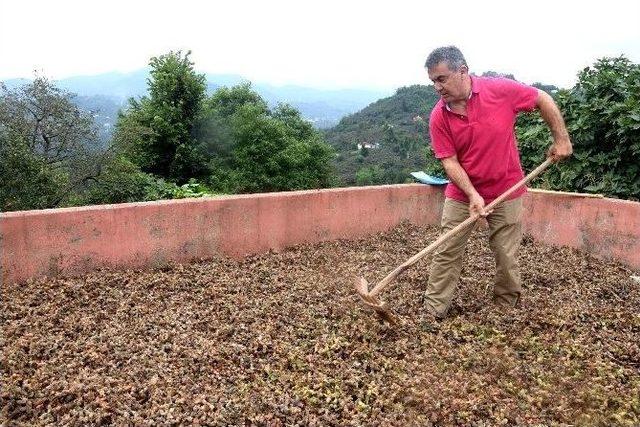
464,69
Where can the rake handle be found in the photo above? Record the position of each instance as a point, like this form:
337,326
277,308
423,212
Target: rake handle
463,225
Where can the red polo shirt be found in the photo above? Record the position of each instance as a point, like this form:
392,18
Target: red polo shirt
484,140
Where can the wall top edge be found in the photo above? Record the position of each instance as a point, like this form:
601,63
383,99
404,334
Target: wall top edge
197,200
298,193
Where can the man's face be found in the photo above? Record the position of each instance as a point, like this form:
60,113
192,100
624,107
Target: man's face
449,84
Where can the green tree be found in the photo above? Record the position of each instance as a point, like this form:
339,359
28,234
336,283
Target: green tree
227,101
255,149
156,132
214,128
276,152
46,154
26,182
602,112
495,74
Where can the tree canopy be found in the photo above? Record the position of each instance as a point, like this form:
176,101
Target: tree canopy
155,132
258,149
47,147
602,112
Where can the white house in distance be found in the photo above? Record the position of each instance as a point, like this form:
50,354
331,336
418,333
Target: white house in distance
365,144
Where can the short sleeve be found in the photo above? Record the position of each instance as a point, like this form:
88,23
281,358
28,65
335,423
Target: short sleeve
441,140
521,96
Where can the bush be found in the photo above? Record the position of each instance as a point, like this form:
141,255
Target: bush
602,112
123,182
27,181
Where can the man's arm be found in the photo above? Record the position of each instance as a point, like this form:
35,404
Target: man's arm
561,147
459,176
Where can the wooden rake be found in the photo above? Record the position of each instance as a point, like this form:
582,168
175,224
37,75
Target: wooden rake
370,298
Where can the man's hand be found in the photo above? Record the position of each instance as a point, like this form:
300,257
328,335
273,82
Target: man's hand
560,149
457,174
476,206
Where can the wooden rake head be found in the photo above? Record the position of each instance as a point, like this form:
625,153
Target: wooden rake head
380,307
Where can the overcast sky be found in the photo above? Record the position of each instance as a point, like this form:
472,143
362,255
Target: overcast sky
325,43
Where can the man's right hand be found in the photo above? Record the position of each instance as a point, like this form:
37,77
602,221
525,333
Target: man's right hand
476,206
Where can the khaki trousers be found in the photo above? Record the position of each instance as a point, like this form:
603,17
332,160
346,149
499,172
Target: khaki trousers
505,236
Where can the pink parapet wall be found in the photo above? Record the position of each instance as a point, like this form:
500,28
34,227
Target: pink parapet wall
607,228
68,242
72,241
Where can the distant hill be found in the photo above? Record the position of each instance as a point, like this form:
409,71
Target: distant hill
399,110
387,140
322,107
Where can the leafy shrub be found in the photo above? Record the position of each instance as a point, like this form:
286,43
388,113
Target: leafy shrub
602,112
28,182
123,182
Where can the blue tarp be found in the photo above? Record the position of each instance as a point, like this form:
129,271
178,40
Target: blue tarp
428,179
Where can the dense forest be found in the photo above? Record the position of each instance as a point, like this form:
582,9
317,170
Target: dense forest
178,141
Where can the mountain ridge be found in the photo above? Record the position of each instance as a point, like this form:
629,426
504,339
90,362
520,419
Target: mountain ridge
323,107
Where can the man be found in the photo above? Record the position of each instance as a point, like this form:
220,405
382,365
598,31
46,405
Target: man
472,133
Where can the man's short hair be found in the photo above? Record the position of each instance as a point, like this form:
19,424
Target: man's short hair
451,55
